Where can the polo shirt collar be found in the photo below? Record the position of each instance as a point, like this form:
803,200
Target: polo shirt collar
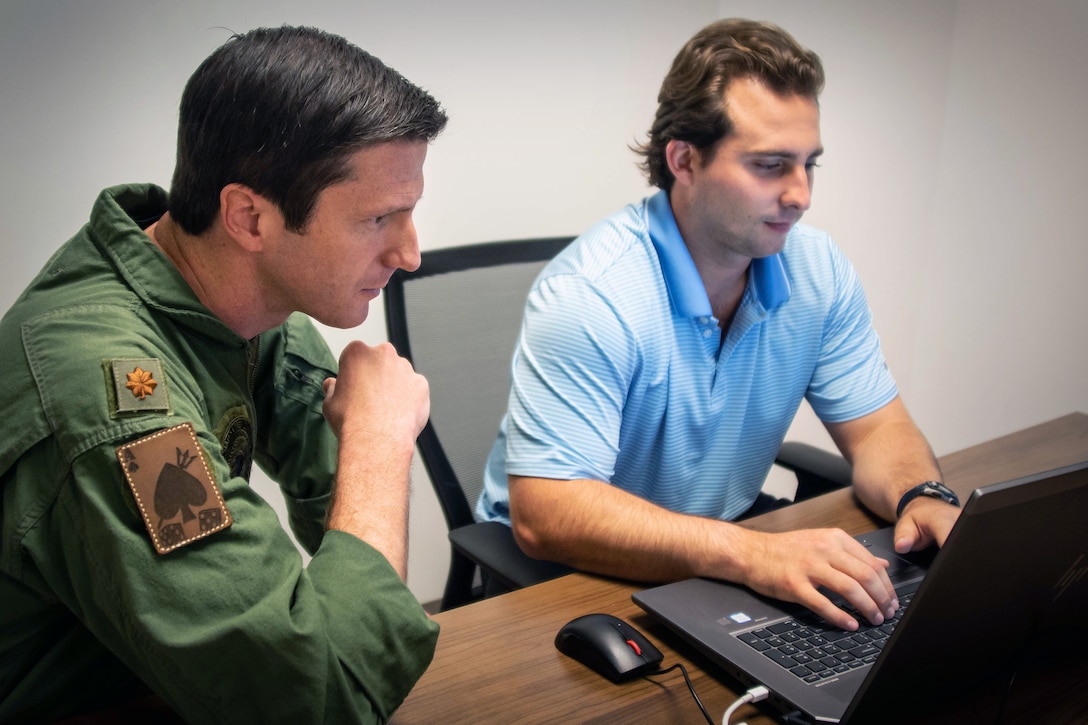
768,283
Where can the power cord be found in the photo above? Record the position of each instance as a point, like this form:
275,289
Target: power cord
691,687
756,694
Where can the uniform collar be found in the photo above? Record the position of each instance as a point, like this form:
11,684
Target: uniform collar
768,283
120,215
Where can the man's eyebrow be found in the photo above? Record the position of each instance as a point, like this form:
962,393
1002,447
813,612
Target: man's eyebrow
377,212
773,153
399,209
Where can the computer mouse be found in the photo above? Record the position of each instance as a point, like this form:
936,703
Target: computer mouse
609,646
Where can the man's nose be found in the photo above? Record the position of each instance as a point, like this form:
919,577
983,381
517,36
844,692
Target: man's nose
403,249
798,191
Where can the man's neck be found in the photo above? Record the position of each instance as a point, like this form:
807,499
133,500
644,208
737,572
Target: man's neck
725,288
217,275
724,274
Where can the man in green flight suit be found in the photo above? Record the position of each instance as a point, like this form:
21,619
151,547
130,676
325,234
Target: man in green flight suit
163,350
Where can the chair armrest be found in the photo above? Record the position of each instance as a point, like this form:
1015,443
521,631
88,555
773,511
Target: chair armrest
818,471
492,547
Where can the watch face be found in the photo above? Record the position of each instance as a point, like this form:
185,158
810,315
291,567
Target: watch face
937,490
930,489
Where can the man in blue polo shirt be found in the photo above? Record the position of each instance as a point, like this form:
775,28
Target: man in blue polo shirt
664,354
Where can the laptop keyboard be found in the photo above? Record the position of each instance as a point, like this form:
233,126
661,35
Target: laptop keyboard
814,650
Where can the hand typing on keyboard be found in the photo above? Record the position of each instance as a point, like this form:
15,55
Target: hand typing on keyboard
814,651
795,565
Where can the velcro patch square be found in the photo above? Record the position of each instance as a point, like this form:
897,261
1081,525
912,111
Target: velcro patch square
174,488
138,385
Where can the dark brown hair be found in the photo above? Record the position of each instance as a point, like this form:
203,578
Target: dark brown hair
282,110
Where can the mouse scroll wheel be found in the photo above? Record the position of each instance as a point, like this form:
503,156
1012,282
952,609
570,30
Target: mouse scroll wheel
635,647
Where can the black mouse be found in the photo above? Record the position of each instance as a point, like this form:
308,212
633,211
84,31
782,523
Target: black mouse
609,646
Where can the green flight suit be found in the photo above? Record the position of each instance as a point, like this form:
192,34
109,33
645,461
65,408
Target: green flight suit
229,627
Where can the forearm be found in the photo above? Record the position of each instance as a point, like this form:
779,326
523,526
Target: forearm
597,527
889,455
376,406
370,496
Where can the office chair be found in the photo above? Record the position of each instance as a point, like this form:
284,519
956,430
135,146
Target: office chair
457,318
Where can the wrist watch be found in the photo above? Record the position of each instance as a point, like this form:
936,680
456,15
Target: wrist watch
933,489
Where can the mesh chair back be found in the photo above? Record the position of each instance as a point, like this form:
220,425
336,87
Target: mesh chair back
457,319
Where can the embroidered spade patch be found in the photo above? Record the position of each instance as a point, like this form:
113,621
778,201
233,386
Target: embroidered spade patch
174,487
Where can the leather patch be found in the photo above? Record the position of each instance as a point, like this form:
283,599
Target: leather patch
174,488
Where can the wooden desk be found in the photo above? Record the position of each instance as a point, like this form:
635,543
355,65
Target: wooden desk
496,661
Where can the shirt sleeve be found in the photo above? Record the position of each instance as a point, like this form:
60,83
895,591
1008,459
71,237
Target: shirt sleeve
295,361
573,365
230,627
851,378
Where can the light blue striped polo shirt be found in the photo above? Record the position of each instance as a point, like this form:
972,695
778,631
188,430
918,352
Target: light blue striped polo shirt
620,373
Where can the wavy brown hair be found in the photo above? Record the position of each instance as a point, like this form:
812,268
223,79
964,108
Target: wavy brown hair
691,104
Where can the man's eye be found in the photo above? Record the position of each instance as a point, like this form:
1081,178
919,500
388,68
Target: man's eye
769,168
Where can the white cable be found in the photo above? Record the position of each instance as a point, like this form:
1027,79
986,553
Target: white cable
756,694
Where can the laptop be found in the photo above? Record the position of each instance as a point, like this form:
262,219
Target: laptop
1007,589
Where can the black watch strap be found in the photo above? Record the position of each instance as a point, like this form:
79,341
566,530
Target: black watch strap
933,489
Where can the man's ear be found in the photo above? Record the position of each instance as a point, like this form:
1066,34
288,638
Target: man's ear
247,217
683,160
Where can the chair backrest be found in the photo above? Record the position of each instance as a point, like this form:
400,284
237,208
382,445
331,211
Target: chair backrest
457,319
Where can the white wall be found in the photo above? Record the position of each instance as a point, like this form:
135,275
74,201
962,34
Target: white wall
955,135
952,175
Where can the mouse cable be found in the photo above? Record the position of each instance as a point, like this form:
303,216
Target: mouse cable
691,687
756,694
